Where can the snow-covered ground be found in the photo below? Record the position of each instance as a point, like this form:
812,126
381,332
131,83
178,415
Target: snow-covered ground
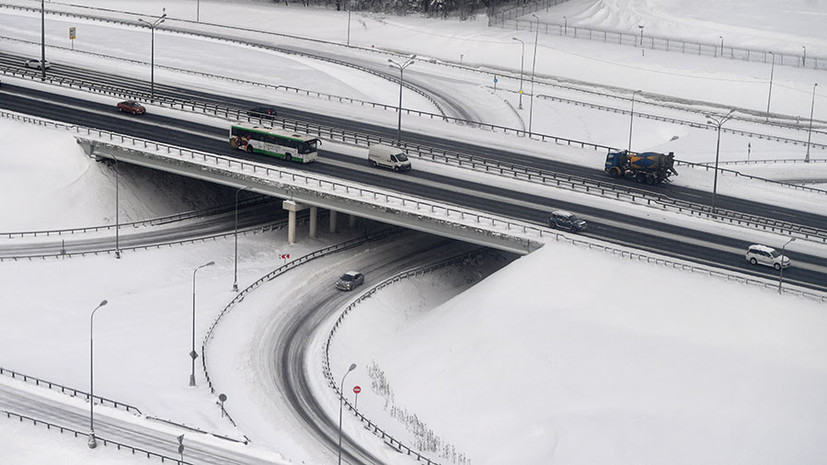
566,354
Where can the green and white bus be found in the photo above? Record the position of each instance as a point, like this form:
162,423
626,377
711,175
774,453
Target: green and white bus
290,146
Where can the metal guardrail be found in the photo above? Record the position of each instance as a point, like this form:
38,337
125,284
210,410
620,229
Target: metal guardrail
106,442
696,125
171,29
370,425
67,390
820,297
623,253
270,276
550,179
522,8
64,252
137,224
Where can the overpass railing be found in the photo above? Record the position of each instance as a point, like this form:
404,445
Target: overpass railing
480,165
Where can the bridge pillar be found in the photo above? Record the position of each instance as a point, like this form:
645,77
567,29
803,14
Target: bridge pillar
314,211
292,207
352,221
333,221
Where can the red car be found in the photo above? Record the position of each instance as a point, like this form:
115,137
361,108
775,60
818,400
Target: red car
131,106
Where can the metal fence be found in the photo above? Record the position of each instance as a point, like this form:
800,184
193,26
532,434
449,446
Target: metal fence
510,19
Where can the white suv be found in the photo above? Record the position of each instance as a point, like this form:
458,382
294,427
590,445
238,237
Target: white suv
763,255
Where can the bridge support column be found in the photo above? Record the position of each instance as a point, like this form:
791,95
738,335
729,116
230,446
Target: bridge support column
314,212
333,220
352,221
292,207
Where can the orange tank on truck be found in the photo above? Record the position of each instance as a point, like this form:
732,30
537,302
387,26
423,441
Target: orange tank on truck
646,167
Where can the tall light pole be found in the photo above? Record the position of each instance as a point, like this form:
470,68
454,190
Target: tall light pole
92,443
565,26
235,267
804,56
718,122
769,95
401,67
631,119
117,209
198,11
152,27
348,24
641,35
722,45
533,67
810,131
42,40
193,353
341,398
522,60
781,270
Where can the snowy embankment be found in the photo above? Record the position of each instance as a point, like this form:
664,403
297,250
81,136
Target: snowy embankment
565,355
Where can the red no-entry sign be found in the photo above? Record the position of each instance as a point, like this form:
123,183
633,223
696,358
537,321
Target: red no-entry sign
357,389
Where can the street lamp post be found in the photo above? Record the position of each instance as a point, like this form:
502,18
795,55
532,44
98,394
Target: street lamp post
42,40
718,122
92,443
522,60
117,209
235,267
781,270
401,67
198,11
193,353
641,35
804,56
533,67
632,118
810,130
769,95
566,26
722,45
152,27
341,398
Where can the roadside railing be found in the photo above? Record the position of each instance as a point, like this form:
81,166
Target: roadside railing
551,179
272,275
175,217
106,442
726,275
615,251
67,390
64,252
370,425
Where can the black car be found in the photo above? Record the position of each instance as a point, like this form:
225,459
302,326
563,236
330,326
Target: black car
262,112
565,220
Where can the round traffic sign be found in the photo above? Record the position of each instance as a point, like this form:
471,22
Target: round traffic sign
357,389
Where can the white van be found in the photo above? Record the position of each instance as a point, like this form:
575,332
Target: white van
389,157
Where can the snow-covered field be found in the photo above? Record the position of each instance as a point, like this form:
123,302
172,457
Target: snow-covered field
565,355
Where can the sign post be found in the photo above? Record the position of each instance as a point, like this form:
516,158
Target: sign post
72,36
356,390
